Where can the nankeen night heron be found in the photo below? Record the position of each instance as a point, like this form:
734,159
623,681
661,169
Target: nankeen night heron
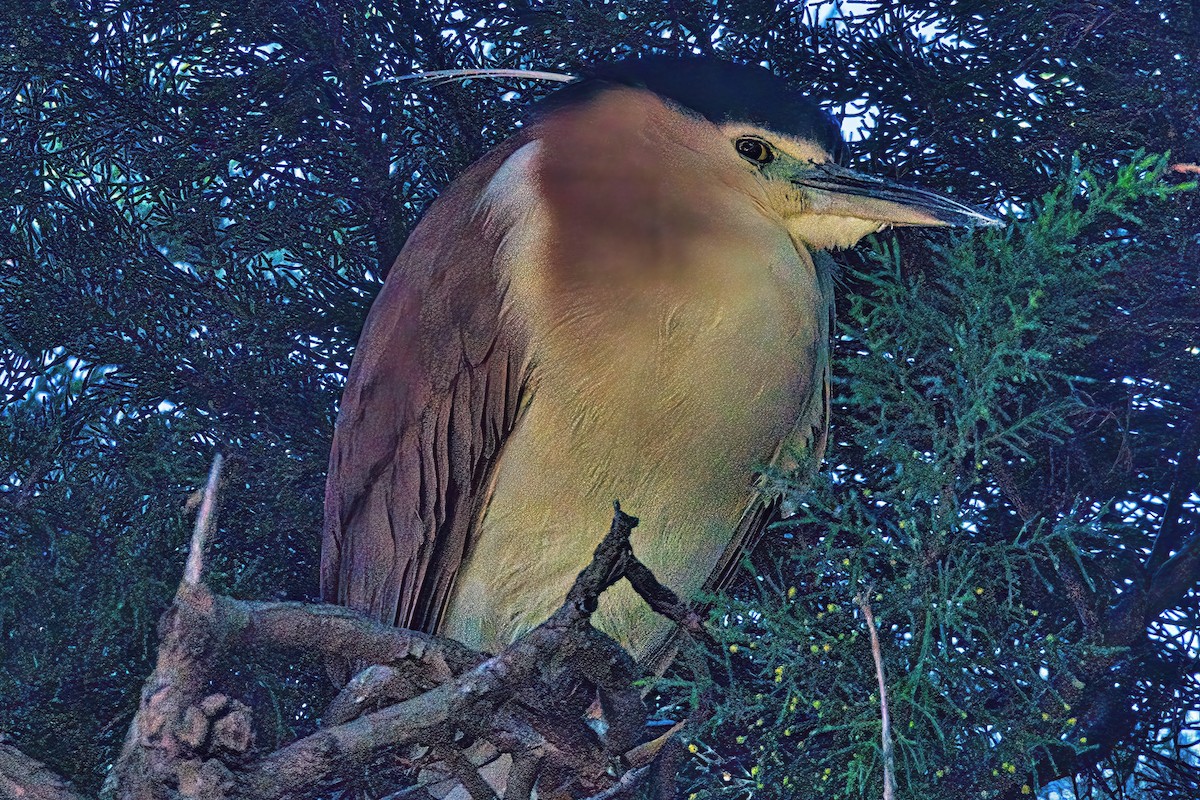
625,299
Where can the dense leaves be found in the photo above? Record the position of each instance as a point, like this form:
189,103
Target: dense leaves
996,605
199,201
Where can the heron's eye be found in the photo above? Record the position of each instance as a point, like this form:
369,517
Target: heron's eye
755,150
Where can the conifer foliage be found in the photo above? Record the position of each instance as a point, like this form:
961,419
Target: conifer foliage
198,202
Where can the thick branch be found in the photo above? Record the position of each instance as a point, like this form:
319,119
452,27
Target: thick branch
474,695
1107,720
186,741
1175,578
338,632
161,738
1187,478
29,779
623,787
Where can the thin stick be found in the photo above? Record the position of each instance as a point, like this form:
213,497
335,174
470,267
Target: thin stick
204,522
453,75
889,756
627,783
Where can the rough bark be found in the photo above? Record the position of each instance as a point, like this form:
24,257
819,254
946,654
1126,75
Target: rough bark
189,741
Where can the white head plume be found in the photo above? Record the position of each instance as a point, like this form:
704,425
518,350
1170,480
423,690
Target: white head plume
439,76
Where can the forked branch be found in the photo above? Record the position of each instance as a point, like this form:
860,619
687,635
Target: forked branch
187,740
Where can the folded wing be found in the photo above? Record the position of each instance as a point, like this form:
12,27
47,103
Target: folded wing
435,387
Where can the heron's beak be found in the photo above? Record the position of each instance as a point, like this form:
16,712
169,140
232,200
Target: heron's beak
843,192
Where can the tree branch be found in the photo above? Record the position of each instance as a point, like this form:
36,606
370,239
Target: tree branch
204,523
1175,578
29,779
187,741
1187,477
885,727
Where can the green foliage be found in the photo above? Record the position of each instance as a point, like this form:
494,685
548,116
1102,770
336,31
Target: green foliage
947,378
198,201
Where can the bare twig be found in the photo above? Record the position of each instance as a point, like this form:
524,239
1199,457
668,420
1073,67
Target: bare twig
1175,577
627,783
646,752
663,600
186,740
885,735
439,76
204,523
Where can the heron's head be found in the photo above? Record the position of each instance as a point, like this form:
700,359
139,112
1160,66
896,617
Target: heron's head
782,149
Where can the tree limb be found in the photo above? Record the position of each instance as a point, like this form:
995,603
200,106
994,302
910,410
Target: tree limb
1187,477
187,741
29,779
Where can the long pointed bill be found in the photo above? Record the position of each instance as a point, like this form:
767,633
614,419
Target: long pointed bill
845,193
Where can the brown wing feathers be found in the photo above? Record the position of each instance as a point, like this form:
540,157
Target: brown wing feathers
423,418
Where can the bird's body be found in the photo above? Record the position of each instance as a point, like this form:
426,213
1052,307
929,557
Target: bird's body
672,415
618,302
